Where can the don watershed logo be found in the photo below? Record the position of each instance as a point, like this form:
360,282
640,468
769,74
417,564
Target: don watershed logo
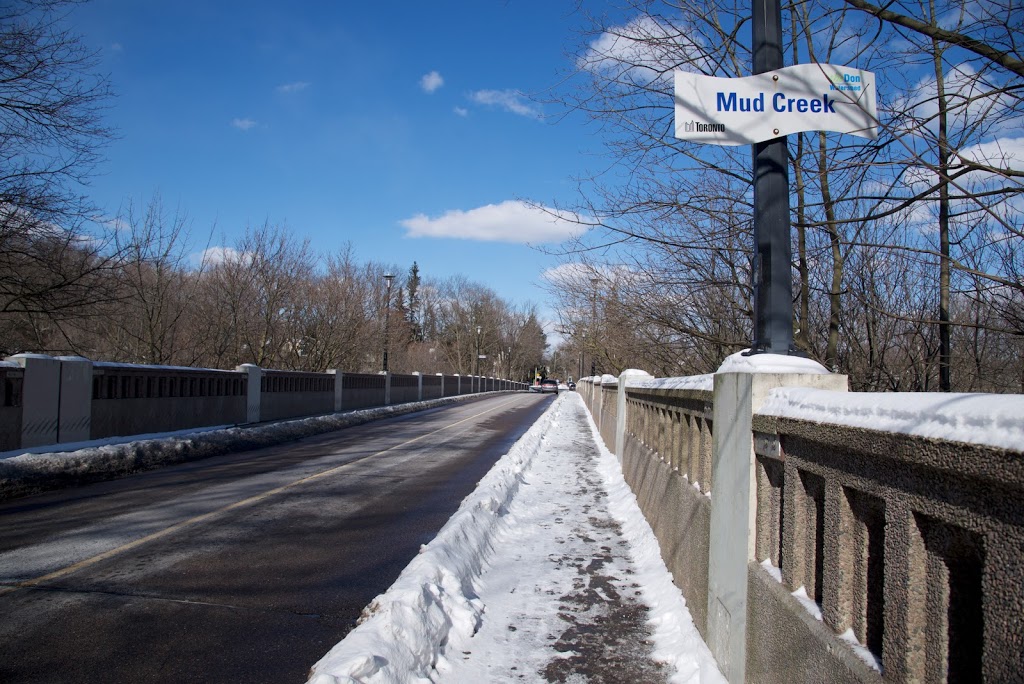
846,82
701,127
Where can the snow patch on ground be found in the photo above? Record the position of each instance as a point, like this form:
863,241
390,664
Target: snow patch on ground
433,604
986,419
550,548
677,641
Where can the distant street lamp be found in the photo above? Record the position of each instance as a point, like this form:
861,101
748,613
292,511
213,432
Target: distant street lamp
593,323
583,353
478,329
389,277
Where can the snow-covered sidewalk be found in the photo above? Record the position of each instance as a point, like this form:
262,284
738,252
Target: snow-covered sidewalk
547,573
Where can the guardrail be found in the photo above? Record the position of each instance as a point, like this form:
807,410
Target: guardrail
57,400
816,548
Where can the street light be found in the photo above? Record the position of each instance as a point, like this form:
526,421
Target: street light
593,323
389,277
583,353
772,277
478,329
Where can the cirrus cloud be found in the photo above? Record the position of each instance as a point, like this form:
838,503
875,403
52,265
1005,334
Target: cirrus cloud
294,87
243,124
510,221
510,100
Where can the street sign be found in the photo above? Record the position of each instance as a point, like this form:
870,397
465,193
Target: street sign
753,109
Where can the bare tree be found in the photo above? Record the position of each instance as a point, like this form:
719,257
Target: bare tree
51,134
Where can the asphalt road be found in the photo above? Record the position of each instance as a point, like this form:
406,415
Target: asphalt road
240,568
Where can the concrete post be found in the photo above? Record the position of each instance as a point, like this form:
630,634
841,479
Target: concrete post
338,385
630,374
40,399
387,388
75,409
441,375
252,399
734,508
419,385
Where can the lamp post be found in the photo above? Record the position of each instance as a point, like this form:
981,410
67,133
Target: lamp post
478,329
772,276
389,277
583,353
509,375
593,324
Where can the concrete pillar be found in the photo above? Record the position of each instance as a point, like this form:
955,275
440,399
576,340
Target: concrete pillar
441,375
56,399
338,384
40,398
630,374
734,507
252,399
75,409
387,388
419,385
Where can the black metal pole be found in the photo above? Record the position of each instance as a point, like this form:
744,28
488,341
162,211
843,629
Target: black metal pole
387,319
772,270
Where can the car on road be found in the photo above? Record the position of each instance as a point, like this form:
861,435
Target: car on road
549,385
572,386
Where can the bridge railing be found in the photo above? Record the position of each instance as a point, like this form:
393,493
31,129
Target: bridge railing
860,554
58,400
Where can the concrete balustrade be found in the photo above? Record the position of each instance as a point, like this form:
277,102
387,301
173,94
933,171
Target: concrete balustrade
811,551
47,400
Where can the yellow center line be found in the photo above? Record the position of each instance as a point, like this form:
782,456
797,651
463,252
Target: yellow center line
62,572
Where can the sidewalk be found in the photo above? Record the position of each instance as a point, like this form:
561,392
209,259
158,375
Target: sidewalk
548,573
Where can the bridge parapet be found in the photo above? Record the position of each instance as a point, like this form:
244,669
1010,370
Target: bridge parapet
58,400
866,553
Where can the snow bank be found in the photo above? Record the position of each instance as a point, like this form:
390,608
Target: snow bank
432,603
27,471
987,419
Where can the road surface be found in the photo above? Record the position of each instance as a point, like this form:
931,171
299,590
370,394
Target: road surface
242,568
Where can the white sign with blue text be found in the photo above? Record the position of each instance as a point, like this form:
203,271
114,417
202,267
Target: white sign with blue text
804,97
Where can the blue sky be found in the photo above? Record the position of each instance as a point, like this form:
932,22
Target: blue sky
398,127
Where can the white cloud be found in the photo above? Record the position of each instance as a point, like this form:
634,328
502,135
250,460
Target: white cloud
510,221
461,111
294,87
213,256
643,51
431,82
116,47
243,124
579,276
510,100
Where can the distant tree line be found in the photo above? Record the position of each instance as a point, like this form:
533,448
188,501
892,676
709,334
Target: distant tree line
271,300
908,250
